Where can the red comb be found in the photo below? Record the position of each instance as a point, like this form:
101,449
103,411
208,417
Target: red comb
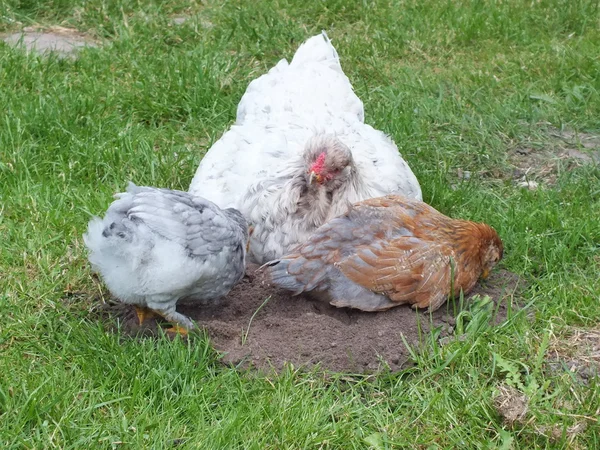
318,165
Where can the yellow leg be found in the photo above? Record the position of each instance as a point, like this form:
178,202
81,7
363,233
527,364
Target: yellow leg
180,323
143,313
177,329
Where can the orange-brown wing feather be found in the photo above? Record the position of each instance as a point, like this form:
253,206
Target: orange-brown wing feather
383,244
406,269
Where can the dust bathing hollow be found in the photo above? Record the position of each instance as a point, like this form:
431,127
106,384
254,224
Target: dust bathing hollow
298,330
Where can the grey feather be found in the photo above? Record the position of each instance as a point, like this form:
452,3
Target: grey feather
156,246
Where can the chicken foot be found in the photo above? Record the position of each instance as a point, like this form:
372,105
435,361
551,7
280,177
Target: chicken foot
181,323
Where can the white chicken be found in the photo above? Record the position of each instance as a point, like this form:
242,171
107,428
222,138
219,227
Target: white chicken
300,153
156,246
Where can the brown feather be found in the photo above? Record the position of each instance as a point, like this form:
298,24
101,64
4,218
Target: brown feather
401,249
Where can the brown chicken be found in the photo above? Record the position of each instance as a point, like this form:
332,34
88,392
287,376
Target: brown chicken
388,251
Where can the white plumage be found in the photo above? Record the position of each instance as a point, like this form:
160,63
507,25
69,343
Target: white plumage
299,123
156,246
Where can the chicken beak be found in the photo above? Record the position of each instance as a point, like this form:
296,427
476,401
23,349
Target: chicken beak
313,176
486,273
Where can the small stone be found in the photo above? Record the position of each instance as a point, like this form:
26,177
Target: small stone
463,174
179,20
531,185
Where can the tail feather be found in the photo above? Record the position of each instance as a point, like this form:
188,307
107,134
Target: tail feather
304,277
279,276
317,49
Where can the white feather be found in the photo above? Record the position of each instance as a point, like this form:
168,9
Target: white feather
277,117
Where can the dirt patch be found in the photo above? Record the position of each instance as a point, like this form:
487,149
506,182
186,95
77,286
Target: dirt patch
65,42
250,330
514,409
577,351
558,431
511,405
532,163
197,19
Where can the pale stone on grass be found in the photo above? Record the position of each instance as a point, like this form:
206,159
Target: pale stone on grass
180,20
65,42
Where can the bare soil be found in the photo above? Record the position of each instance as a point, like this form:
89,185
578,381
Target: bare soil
576,350
305,332
534,164
65,42
511,405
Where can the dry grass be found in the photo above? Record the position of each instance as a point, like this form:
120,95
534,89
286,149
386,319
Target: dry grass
578,348
511,405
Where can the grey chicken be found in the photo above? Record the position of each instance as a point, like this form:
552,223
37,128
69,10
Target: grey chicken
157,246
388,251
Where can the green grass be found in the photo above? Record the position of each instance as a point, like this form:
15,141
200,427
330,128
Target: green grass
457,84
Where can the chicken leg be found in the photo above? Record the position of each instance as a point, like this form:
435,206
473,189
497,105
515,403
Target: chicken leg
143,313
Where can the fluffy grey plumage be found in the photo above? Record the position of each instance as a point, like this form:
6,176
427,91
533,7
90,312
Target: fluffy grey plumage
300,153
156,246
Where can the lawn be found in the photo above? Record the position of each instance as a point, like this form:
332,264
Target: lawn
494,104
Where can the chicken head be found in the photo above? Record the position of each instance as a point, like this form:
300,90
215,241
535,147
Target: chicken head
329,162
